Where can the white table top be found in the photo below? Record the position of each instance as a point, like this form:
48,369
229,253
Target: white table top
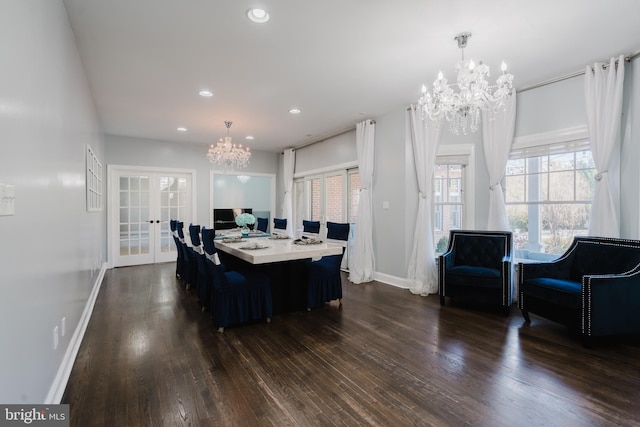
235,232
278,250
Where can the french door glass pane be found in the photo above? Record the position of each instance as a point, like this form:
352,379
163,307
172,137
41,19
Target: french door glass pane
173,205
354,196
134,215
300,207
333,193
316,198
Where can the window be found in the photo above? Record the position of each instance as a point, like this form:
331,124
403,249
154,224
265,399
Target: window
448,199
548,193
94,182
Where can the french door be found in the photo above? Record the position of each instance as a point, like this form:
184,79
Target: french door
143,203
331,196
321,198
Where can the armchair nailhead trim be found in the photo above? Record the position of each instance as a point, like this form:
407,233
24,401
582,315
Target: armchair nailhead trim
586,305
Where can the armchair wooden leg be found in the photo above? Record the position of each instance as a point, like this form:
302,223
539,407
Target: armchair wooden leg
525,314
442,300
587,342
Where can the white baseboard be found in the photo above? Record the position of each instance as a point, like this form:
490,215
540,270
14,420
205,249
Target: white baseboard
388,279
64,371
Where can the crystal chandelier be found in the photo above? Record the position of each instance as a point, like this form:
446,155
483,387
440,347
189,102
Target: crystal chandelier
228,155
462,109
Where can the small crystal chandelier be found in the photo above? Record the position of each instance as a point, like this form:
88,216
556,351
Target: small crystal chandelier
228,155
462,109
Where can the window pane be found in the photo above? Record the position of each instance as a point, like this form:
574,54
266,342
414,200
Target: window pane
448,208
584,184
559,162
550,203
514,189
515,167
561,186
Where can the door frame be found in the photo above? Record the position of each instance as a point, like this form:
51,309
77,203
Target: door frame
113,190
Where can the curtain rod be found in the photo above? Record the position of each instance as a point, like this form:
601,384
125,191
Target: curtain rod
330,135
627,59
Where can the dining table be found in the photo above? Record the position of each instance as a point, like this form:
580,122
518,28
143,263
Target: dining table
282,258
276,248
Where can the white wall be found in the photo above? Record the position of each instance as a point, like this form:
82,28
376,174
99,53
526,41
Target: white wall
555,106
121,150
332,151
394,182
51,246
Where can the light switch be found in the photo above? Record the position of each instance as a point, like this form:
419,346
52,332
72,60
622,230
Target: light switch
7,199
385,205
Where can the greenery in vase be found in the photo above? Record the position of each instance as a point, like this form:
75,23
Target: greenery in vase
245,219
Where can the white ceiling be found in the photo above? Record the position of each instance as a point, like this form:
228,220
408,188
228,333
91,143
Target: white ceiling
339,61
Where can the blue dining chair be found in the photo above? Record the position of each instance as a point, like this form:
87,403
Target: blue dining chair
262,224
280,223
194,251
186,273
238,296
203,289
310,228
324,281
173,225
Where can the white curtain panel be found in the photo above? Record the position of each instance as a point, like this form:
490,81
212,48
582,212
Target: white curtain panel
287,203
603,95
422,273
497,137
362,260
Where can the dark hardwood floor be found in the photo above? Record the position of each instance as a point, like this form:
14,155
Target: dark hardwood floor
386,357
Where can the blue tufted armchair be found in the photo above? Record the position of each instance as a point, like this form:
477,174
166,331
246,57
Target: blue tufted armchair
593,288
477,268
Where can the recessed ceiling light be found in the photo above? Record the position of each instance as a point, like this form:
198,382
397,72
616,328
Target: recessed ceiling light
295,111
181,129
205,92
249,137
258,15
